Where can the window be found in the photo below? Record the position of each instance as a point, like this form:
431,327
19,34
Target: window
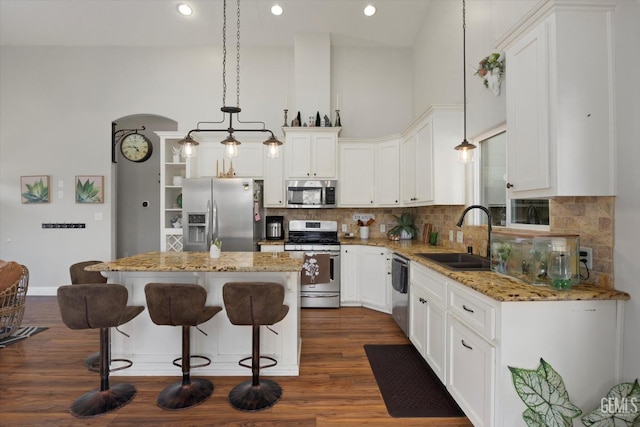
491,191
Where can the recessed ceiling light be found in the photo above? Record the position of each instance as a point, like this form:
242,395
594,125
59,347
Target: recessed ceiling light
276,9
185,9
369,10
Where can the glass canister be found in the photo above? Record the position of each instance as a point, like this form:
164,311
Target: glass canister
559,269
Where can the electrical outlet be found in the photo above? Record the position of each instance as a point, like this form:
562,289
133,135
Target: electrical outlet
459,237
451,235
383,228
586,254
344,228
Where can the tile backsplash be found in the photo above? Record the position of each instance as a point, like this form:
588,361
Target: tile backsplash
589,217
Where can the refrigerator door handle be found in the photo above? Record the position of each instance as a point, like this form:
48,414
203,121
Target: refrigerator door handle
213,220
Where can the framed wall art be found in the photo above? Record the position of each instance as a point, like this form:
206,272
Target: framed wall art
90,189
34,189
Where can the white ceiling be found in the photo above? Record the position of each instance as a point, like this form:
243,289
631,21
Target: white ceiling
157,22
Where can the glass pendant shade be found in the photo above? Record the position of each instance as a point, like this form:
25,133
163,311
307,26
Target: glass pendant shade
273,147
231,146
189,147
465,152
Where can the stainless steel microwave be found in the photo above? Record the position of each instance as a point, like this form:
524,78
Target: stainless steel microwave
311,194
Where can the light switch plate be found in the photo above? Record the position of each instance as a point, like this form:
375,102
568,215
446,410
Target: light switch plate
383,228
459,237
451,235
344,228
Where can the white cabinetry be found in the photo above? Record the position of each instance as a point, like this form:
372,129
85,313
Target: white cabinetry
387,173
274,182
357,165
271,248
311,153
248,163
365,277
349,289
170,237
560,109
427,296
431,173
372,278
484,337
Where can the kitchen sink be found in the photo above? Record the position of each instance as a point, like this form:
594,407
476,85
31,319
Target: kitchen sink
459,261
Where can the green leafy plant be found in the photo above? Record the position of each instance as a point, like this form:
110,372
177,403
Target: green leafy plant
218,243
405,223
620,407
87,192
547,400
37,192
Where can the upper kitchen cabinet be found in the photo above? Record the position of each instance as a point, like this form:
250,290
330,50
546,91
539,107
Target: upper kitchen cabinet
559,94
431,174
248,163
273,181
369,173
311,152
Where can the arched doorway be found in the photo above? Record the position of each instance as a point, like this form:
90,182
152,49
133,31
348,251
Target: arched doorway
137,185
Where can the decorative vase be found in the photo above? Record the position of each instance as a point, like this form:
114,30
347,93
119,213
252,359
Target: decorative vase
214,252
405,235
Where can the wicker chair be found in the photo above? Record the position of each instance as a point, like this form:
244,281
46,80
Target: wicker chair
12,304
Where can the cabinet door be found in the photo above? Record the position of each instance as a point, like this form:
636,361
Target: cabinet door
387,175
248,164
349,290
324,156
298,156
409,170
210,156
356,175
470,378
424,163
372,277
528,136
418,318
435,342
273,182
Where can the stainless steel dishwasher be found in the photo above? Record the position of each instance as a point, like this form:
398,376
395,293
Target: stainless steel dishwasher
400,291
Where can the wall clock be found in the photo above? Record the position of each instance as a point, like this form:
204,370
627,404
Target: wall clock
136,147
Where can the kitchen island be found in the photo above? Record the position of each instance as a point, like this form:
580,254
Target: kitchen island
152,348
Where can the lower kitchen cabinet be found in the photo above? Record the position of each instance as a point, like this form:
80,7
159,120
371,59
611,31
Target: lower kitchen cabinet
470,340
365,277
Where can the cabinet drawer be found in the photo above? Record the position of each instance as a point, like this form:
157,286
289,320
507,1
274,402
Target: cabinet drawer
434,285
476,313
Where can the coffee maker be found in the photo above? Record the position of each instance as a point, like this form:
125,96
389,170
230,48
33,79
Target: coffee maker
275,227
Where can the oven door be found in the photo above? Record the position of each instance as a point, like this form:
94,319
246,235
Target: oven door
323,294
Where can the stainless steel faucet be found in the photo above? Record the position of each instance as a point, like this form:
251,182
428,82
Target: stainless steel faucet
488,212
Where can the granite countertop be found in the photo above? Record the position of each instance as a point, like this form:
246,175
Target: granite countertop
497,286
201,262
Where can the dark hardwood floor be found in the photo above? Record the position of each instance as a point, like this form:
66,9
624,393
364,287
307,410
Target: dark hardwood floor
42,375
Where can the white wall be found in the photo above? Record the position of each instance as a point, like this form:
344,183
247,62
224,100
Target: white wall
627,207
58,103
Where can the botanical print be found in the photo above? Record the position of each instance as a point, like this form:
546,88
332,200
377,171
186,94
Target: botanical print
89,189
34,189
311,269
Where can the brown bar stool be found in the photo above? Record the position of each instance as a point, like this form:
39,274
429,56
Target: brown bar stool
182,304
98,306
255,304
80,277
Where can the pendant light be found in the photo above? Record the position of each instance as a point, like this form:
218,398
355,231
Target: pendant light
189,144
465,148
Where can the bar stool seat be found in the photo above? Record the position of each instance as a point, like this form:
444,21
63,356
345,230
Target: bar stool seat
98,306
182,304
255,304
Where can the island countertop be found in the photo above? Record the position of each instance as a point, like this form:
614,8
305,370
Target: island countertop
202,262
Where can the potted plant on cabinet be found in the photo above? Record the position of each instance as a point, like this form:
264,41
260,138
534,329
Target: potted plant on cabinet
405,228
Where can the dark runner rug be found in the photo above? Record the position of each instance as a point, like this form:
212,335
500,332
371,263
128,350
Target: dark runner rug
20,334
408,385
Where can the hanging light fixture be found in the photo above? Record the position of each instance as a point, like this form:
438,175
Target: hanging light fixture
465,153
189,144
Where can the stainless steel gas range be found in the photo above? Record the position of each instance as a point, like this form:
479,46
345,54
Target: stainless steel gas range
318,242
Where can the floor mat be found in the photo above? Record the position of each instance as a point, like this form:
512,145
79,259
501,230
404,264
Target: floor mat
20,334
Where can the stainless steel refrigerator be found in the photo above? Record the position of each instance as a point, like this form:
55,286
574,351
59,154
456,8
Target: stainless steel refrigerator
229,209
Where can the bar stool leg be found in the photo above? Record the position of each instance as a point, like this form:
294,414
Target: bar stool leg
182,395
255,394
106,398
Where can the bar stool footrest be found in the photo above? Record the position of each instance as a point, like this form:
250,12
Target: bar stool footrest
206,362
275,362
127,364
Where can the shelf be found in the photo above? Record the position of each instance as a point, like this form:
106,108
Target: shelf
171,230
176,164
172,186
173,209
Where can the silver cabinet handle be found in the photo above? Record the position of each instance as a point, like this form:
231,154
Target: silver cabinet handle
467,309
466,345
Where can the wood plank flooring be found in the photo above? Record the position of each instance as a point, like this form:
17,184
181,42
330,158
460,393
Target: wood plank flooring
42,375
